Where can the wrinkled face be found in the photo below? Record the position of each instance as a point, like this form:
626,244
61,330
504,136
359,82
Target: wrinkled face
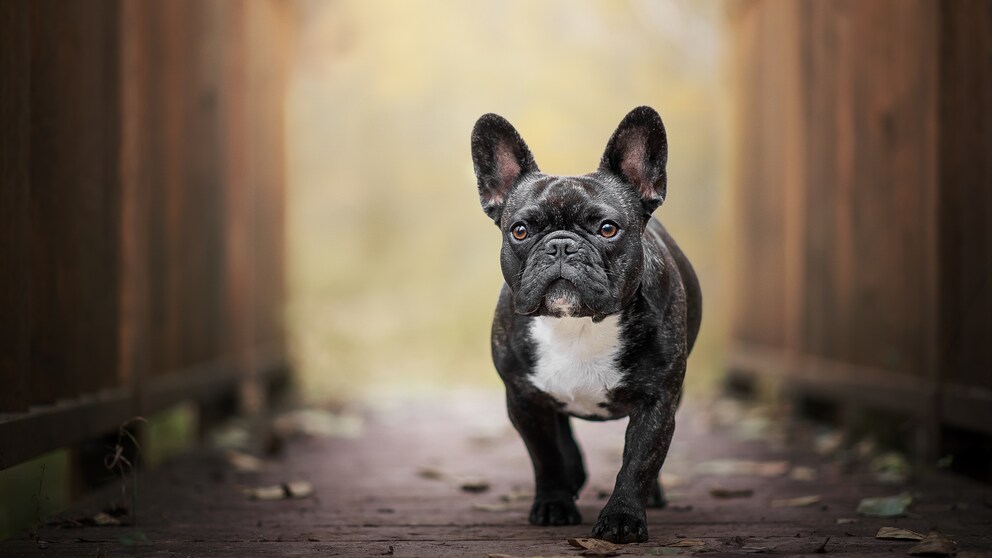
572,245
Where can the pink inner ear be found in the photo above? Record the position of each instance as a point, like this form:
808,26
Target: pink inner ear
508,167
633,165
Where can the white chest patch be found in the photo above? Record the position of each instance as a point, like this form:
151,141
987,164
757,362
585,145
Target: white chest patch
577,361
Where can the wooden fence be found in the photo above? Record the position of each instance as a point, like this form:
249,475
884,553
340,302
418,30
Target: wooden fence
863,198
141,210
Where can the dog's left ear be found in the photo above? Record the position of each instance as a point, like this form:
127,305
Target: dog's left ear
501,159
637,154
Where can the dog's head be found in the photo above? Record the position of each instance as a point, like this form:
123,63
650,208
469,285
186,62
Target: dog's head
572,244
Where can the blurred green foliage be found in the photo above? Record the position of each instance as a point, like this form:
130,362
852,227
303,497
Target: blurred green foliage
33,490
393,266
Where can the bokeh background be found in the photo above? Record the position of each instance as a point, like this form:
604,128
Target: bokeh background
392,266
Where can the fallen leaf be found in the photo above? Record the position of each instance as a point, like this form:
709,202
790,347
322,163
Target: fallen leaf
934,544
727,493
687,543
886,506
298,489
482,506
266,493
473,484
897,534
516,495
430,472
595,547
890,467
104,519
796,502
846,520
828,442
295,489
801,473
244,462
230,436
741,467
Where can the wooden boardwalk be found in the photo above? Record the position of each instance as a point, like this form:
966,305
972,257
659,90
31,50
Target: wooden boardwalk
393,488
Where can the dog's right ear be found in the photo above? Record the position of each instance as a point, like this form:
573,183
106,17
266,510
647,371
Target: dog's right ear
501,159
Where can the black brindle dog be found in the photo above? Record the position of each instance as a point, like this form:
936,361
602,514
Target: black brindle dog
598,314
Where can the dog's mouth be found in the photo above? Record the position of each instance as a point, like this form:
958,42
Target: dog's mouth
561,299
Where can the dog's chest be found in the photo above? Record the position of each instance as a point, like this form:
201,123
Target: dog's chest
576,361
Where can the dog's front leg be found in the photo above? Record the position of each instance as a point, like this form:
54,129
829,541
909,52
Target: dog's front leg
555,490
649,434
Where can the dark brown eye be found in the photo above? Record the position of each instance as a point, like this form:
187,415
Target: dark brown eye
519,232
608,229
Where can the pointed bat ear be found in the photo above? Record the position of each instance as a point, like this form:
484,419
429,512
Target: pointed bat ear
501,159
637,154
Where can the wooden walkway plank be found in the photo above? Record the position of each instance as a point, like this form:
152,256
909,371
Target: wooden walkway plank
368,496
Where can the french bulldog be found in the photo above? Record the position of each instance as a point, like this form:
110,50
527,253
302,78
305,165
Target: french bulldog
597,315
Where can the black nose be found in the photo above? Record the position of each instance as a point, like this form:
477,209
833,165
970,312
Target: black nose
560,246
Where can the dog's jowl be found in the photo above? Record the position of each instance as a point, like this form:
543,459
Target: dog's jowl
598,314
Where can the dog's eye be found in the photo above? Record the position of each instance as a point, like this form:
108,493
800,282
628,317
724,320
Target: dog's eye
519,232
608,229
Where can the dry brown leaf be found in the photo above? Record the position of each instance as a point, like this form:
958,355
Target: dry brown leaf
298,489
727,493
516,495
934,544
796,502
430,472
801,473
687,543
244,462
294,489
596,547
473,484
266,493
104,519
897,534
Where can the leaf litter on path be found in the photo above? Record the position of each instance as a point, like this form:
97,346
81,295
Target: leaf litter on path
934,544
729,493
801,473
284,491
890,468
467,484
897,534
798,502
885,506
595,547
244,462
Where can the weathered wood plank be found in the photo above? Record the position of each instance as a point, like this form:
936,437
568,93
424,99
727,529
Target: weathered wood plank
15,284
74,197
367,495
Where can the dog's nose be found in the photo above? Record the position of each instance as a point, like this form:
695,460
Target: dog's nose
560,246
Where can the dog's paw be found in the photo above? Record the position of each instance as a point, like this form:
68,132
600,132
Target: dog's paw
621,528
554,511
